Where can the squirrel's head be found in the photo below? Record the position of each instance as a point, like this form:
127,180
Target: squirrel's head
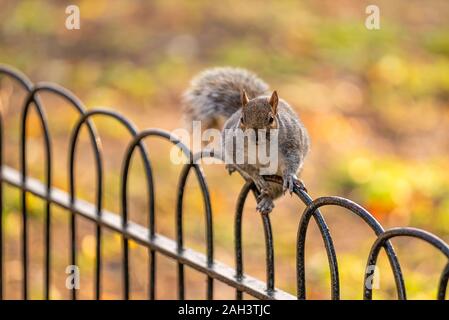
260,112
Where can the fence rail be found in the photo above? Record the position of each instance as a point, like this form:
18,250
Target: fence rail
156,243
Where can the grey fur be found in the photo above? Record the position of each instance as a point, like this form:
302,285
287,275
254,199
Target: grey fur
216,93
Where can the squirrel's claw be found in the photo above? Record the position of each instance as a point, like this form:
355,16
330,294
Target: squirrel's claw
262,195
261,185
289,183
264,204
231,169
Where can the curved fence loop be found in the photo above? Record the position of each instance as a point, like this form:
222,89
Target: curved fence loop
72,100
366,217
268,234
302,194
382,241
182,182
26,84
238,223
125,173
48,182
72,149
17,75
33,98
442,286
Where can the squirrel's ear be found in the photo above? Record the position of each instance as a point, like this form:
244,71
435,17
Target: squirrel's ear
274,101
244,98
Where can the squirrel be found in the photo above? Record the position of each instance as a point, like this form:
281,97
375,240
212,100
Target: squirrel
243,100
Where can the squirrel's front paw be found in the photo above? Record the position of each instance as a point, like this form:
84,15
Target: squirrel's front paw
264,204
289,183
290,180
231,168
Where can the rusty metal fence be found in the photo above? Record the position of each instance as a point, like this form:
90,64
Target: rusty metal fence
161,245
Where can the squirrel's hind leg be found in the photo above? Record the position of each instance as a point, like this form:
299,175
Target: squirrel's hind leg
264,204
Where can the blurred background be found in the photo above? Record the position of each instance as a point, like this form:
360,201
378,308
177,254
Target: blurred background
375,102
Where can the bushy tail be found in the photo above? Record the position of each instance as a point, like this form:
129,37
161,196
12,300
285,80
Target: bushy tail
214,94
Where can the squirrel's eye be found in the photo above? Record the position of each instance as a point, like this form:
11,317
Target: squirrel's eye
271,120
241,120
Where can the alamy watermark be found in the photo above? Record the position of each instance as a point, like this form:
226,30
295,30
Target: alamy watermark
372,21
73,20
73,279
372,277
234,146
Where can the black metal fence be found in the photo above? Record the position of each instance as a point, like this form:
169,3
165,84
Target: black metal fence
156,243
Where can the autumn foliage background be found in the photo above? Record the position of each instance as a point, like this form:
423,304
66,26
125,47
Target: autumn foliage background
376,104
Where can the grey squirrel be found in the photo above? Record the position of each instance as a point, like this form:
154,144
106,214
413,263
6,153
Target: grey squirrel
243,100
